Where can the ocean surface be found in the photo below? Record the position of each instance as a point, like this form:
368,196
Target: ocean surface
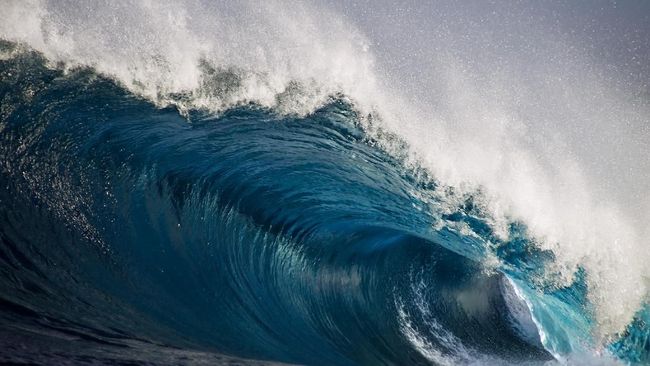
185,227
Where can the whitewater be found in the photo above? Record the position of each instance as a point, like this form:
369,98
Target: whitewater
324,183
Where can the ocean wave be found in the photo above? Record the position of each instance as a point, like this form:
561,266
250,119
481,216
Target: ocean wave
180,192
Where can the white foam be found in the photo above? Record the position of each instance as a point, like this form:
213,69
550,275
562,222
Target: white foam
487,131
449,349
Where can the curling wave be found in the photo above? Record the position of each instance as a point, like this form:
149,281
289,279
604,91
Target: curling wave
247,233
173,200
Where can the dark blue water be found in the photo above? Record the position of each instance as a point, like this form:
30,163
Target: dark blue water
133,234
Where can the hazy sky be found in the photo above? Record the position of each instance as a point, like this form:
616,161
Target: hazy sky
408,32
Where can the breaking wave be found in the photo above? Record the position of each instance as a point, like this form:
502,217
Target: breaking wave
174,185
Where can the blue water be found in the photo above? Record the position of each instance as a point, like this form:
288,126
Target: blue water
131,234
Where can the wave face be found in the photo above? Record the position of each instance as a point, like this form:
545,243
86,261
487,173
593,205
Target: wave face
290,239
170,200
